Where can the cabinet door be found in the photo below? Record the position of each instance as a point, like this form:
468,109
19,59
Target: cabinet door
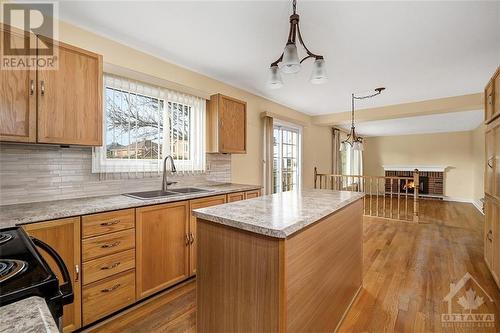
64,237
195,204
162,246
17,98
496,161
489,174
495,222
232,125
496,95
70,98
252,194
489,97
488,233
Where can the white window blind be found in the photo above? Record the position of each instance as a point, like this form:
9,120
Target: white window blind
144,123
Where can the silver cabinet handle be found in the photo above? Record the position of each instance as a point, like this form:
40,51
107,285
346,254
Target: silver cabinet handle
107,246
42,88
107,224
191,238
114,265
490,233
32,87
77,273
490,160
107,290
490,99
188,240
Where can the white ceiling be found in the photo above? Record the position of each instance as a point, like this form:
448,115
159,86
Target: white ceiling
419,50
436,123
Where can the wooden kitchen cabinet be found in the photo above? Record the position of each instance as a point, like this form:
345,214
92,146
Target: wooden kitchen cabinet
58,106
488,232
492,98
195,204
70,98
495,223
226,125
162,246
492,168
64,237
17,97
237,196
252,194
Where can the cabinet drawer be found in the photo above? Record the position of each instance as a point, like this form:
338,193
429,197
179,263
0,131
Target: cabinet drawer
107,296
104,267
104,223
232,197
252,194
107,244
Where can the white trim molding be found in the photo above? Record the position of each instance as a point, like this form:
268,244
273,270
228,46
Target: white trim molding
422,168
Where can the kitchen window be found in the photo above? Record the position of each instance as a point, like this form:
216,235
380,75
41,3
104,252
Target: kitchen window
287,158
145,123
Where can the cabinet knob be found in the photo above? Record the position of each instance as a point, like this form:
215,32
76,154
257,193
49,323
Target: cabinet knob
107,290
107,224
106,246
114,265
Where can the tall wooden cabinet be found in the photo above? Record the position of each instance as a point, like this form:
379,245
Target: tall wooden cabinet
64,237
58,106
226,125
162,246
492,176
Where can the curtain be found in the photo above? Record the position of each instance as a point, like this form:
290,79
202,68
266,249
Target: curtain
336,163
144,123
268,154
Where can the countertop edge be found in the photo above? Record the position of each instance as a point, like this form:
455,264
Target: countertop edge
128,203
30,315
277,233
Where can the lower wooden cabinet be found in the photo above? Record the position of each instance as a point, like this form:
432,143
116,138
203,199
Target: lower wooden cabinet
64,237
107,296
492,237
195,204
162,246
252,194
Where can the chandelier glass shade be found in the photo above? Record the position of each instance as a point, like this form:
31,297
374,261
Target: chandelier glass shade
289,61
354,141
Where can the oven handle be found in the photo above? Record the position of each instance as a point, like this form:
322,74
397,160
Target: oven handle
66,287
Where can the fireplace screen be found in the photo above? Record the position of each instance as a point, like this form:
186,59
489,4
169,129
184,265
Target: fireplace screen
423,187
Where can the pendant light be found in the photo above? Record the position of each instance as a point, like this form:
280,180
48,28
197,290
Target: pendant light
289,61
352,140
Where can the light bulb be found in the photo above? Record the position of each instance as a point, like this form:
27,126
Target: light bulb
274,80
290,63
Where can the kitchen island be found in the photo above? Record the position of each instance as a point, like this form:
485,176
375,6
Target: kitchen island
289,262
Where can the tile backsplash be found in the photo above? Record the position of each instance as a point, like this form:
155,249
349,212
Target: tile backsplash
30,173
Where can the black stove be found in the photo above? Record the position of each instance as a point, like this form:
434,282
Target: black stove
24,273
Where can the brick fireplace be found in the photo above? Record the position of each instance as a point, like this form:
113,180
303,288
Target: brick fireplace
431,180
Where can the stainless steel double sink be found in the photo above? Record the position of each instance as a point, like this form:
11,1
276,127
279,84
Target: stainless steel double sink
162,194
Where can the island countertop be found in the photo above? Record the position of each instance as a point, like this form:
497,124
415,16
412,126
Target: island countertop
30,315
279,215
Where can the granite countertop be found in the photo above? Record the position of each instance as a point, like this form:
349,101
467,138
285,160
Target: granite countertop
279,215
30,315
12,215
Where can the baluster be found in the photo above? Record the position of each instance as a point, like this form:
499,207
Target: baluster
399,196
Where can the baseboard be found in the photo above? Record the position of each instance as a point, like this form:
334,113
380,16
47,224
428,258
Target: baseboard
479,205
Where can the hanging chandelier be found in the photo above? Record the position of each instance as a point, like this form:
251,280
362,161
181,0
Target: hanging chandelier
289,61
352,140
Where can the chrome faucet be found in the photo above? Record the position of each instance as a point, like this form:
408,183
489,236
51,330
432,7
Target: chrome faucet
165,182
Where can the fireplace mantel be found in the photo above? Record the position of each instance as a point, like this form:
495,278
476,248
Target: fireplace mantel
421,168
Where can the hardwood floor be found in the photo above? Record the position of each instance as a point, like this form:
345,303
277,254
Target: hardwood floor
408,269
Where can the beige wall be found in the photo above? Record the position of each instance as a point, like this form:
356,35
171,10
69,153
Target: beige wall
456,150
245,168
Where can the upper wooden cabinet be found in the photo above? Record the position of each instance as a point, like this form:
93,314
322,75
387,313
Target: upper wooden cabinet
64,237
17,98
492,98
226,125
492,172
70,98
58,106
